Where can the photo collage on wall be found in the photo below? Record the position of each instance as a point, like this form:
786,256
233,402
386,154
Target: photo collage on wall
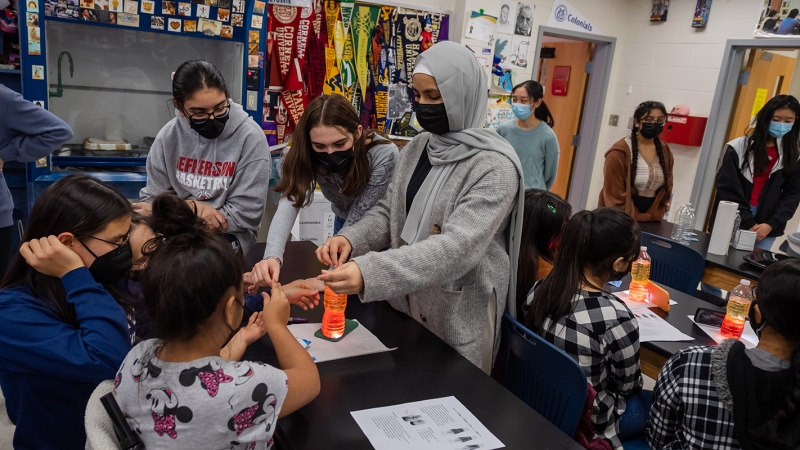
512,43
207,17
363,52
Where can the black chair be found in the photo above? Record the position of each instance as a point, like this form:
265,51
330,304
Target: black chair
674,264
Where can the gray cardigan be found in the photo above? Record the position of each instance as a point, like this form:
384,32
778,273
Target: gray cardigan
453,273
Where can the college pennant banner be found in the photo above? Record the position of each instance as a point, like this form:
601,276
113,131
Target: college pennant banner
331,16
381,49
348,68
347,7
285,22
333,79
363,23
304,28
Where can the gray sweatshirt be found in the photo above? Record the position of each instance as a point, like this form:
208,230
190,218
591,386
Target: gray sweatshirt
351,208
229,173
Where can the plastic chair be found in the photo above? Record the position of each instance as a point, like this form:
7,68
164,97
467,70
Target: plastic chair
543,376
674,264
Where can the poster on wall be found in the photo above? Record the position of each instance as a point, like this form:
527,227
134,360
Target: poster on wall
506,21
481,26
778,22
483,55
524,21
660,10
501,63
520,49
499,111
560,80
701,13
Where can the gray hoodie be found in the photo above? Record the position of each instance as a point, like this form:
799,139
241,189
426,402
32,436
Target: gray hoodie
230,173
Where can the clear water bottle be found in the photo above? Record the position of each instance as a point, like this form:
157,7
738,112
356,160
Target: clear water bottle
737,222
688,226
640,275
684,223
738,307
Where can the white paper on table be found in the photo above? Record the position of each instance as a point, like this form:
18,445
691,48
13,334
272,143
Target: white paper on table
441,423
632,305
359,342
653,328
749,338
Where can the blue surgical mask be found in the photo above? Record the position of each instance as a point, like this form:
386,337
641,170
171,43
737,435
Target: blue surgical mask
778,129
521,110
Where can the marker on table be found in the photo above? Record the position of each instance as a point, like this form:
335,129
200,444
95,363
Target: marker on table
293,320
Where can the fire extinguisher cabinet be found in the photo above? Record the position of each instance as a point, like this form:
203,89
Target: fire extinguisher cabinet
684,130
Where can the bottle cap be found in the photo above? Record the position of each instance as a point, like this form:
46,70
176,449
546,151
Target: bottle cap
644,249
745,282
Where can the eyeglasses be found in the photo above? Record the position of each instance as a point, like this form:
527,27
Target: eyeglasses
219,112
661,120
125,241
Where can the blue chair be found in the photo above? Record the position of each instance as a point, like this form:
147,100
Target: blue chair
543,376
674,264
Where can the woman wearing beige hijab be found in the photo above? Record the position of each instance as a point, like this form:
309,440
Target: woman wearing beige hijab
450,216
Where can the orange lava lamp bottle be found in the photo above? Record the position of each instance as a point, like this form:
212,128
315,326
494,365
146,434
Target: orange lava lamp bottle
333,318
640,275
738,307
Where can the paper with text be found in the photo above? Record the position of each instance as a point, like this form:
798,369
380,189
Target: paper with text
442,423
359,342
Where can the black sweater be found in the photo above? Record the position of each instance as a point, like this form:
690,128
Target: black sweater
776,204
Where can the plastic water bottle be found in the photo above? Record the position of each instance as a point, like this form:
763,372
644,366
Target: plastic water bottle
333,318
738,307
679,228
688,225
737,222
640,274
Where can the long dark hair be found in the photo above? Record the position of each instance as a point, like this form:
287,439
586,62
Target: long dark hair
76,204
536,92
189,271
759,136
543,221
193,76
592,241
780,308
640,113
299,171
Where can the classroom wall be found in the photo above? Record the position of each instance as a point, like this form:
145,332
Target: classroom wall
666,61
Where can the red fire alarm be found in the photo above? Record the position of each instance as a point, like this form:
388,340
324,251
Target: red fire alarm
684,130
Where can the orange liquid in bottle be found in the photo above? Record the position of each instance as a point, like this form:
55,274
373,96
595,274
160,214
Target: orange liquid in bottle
733,324
333,318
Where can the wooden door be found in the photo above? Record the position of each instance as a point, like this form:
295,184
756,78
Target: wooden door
768,74
566,109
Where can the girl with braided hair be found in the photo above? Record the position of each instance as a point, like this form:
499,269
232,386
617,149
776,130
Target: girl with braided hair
638,169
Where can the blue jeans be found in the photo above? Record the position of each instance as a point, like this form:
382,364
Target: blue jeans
637,410
338,224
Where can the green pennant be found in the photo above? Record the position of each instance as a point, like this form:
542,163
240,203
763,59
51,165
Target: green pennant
364,22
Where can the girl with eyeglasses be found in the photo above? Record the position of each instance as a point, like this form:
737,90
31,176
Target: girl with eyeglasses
638,169
212,154
759,171
63,327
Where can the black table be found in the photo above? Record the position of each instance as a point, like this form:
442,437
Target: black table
724,271
422,367
654,354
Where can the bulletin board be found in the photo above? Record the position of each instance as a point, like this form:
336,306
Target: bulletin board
362,51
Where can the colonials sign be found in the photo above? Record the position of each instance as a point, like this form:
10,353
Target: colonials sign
566,16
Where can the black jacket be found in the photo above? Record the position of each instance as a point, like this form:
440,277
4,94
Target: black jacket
776,204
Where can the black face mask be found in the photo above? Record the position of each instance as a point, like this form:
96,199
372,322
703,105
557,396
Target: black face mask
211,128
336,162
616,276
757,327
109,268
651,130
433,118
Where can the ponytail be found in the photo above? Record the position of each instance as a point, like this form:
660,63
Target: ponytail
592,241
171,216
536,93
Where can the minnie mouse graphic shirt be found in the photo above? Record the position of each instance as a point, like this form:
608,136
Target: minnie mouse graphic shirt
207,403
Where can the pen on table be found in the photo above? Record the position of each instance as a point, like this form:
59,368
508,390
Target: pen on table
293,320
